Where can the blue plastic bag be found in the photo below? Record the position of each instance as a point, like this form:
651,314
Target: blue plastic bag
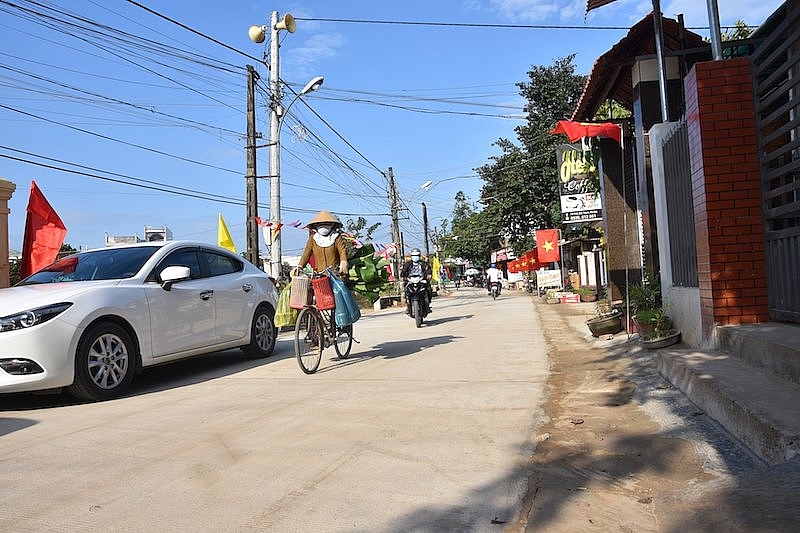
347,310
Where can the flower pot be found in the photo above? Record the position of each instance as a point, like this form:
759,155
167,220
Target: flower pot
672,337
605,325
590,297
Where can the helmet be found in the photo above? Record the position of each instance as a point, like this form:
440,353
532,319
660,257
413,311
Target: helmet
416,251
492,265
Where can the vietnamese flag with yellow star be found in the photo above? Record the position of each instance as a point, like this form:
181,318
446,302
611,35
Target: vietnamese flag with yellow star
547,245
530,257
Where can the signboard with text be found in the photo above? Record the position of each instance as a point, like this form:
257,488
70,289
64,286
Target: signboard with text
548,278
578,185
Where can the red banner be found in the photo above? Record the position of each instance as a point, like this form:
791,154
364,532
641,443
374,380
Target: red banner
578,130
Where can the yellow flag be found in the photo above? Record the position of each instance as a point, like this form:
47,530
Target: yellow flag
435,266
223,236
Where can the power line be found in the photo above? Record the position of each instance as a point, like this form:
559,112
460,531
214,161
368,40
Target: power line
483,25
464,24
108,138
192,30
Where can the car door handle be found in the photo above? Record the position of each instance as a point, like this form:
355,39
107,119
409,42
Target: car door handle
247,287
205,295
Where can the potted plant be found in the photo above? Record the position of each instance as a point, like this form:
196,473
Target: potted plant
644,299
650,315
550,297
608,319
587,293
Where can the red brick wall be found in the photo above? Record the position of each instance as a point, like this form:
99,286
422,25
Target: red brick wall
727,194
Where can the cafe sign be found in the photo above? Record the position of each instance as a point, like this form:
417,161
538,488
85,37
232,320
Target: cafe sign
578,184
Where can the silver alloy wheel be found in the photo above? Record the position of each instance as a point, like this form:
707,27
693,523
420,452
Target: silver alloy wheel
264,332
108,361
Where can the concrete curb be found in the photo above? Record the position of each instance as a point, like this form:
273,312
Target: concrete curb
759,408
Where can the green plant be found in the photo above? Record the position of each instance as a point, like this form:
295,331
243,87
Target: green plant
368,276
644,297
660,323
585,290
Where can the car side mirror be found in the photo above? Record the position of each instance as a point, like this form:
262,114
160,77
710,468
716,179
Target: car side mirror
173,274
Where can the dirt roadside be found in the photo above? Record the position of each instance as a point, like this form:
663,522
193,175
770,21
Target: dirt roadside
625,451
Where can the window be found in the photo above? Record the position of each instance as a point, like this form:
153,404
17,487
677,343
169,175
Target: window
187,257
219,264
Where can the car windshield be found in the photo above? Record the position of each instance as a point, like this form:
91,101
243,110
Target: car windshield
109,263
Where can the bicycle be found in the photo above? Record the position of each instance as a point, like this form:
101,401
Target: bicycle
316,330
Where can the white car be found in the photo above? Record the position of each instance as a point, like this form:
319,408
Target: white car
91,321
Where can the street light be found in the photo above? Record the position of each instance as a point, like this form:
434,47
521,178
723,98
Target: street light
277,113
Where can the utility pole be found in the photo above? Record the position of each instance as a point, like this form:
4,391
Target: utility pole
395,223
425,228
251,175
275,113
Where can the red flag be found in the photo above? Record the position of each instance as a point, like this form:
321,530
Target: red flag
578,130
547,245
530,257
44,234
594,4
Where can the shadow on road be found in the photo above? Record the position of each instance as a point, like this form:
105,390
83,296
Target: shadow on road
389,350
159,378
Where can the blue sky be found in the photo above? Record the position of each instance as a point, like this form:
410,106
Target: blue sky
120,96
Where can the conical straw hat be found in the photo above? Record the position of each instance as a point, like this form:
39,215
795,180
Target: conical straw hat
324,217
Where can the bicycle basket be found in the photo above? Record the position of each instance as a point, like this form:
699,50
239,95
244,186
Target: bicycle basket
323,292
301,293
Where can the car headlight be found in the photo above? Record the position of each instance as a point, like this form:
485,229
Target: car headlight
32,317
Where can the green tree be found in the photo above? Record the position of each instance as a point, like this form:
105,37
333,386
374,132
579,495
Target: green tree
359,228
462,209
739,31
610,110
360,231
520,189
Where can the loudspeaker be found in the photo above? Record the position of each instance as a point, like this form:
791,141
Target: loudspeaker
287,23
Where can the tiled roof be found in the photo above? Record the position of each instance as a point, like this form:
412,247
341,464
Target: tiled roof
611,73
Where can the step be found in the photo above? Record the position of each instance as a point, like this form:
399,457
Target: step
758,407
772,346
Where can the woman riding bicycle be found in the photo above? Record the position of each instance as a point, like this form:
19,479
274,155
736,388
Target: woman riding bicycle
325,246
317,327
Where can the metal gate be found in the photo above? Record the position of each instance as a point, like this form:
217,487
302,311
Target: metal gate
680,211
776,65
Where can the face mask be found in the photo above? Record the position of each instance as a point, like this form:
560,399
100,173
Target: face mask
324,230
415,258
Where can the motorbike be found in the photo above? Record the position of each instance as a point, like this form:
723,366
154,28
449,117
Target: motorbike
529,285
417,298
494,289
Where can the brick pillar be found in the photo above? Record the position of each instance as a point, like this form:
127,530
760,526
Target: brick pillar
6,190
726,185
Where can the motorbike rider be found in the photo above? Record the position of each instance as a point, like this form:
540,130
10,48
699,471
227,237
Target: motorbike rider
494,275
417,267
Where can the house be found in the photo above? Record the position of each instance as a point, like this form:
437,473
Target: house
710,197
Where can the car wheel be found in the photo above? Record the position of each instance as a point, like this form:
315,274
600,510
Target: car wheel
104,362
263,333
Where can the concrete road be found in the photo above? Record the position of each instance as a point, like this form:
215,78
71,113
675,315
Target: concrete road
423,429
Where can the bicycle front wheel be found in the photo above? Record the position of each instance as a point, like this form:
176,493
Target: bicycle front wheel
309,340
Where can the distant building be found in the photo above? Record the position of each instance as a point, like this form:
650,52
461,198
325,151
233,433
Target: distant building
151,234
